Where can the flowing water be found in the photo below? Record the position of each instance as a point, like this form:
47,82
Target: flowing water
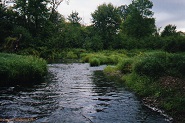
75,93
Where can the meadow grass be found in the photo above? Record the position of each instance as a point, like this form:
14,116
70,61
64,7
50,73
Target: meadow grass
17,69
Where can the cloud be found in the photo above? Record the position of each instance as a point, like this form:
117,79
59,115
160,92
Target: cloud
169,12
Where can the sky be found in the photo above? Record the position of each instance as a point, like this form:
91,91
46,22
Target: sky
165,11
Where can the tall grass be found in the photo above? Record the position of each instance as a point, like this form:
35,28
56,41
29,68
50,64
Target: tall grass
104,57
17,69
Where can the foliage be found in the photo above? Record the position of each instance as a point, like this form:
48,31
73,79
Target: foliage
106,21
73,36
143,6
24,37
176,65
32,14
105,57
42,31
110,70
150,66
174,44
16,69
71,55
74,18
54,5
142,85
94,43
157,76
29,51
7,20
9,44
169,30
125,65
138,21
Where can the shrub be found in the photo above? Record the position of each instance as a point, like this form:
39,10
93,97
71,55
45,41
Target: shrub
26,39
150,66
174,44
176,65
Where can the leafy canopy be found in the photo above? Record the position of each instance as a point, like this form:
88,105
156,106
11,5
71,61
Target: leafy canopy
169,30
106,21
137,17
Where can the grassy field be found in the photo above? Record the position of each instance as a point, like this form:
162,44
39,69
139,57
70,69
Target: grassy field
17,69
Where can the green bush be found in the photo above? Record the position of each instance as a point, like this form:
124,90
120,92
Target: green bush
26,39
176,65
174,44
153,64
17,69
156,64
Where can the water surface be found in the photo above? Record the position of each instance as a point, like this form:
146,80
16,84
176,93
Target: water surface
76,93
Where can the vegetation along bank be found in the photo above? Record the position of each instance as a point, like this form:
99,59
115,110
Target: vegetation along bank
21,70
156,76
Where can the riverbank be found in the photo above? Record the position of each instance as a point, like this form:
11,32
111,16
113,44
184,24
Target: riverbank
156,76
21,70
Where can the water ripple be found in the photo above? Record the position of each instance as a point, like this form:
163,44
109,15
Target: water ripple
76,93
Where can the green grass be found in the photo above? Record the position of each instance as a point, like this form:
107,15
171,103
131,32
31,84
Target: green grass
104,57
94,61
17,69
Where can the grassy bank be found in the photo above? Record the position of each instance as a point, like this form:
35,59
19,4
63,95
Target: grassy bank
156,76
17,69
103,57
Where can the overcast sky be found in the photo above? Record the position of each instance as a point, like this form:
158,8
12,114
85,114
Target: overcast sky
165,11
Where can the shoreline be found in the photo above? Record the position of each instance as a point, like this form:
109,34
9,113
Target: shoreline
151,102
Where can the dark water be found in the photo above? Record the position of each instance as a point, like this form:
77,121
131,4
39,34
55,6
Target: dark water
76,93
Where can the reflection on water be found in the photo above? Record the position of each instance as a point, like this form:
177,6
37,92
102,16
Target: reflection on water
75,93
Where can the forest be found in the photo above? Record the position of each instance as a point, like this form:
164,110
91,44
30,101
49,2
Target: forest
37,28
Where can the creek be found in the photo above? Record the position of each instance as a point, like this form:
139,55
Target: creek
75,93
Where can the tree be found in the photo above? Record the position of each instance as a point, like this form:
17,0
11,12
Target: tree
33,13
143,6
7,22
74,18
169,30
54,5
106,21
138,21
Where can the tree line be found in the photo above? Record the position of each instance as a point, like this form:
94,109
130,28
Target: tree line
37,25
